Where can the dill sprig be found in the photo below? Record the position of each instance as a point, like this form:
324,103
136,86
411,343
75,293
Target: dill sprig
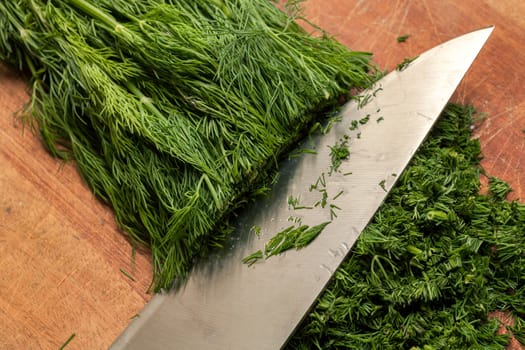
175,112
292,237
436,259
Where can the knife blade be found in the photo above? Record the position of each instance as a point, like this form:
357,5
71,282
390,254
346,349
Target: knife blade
226,304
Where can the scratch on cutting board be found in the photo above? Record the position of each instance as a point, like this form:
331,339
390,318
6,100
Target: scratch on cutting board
431,19
71,273
464,89
402,20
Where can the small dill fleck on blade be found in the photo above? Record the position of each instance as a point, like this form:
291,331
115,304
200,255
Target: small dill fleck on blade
405,63
338,153
338,195
364,120
257,230
253,258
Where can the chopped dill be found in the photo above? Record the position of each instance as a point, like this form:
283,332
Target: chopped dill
364,120
382,184
127,274
295,219
66,343
338,195
362,100
435,261
405,63
309,235
354,125
338,153
376,91
257,230
402,38
292,237
253,258
333,213
298,152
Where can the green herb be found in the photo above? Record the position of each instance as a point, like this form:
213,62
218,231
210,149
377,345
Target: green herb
405,63
65,344
380,119
362,100
364,120
127,274
253,258
338,153
382,185
256,230
298,152
324,200
354,125
331,121
498,188
295,219
322,180
436,259
402,38
376,91
283,240
292,237
309,235
333,213
338,195
293,202
175,112
518,330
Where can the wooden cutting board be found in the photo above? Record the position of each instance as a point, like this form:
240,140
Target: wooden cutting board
61,255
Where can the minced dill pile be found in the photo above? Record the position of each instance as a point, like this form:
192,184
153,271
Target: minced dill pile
174,111
436,259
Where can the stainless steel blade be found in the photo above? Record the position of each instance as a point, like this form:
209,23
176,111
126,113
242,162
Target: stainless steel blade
226,304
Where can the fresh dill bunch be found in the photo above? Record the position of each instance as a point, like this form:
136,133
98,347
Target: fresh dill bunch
175,111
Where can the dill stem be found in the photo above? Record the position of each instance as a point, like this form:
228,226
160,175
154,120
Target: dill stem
66,343
223,7
146,101
32,68
95,12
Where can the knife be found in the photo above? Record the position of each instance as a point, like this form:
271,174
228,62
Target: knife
226,304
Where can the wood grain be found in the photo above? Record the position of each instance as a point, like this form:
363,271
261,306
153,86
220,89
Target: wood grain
60,251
